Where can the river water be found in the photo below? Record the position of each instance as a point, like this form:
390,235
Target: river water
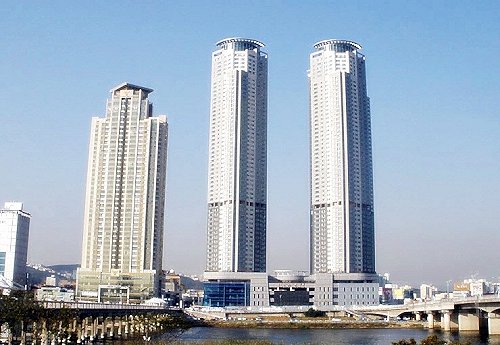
323,336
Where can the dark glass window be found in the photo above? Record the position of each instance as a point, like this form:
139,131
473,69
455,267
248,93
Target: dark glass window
226,294
2,263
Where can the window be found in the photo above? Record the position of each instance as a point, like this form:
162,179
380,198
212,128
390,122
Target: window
2,263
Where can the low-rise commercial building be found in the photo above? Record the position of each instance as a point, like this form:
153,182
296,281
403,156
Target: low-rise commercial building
55,293
286,288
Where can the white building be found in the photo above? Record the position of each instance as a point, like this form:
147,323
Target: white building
477,287
427,292
14,233
345,289
237,197
125,198
342,219
52,280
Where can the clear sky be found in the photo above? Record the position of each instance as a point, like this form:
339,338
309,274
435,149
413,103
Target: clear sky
433,79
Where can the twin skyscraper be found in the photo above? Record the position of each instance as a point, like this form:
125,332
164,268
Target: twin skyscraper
342,226
237,163
127,165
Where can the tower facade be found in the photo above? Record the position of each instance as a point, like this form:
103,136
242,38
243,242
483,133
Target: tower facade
125,200
342,220
237,172
14,234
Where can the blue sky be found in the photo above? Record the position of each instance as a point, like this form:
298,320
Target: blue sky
433,75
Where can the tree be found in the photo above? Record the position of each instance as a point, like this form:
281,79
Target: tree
20,309
17,310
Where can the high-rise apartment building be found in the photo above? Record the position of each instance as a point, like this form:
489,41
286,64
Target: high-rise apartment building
237,181
14,234
342,221
125,200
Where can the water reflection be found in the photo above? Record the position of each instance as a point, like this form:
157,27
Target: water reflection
326,336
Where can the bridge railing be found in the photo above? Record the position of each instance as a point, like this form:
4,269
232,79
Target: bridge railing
107,306
443,303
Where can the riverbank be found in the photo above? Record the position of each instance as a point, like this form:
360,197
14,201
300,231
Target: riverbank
315,324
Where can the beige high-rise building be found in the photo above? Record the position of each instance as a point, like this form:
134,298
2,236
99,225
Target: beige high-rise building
125,200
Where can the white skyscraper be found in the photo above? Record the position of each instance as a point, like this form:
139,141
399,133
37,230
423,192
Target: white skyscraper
237,181
125,199
342,221
14,233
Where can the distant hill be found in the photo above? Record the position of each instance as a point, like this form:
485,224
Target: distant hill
35,276
189,283
62,269
38,273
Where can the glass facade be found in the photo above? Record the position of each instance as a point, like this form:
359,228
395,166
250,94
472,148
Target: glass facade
299,296
2,263
140,285
226,294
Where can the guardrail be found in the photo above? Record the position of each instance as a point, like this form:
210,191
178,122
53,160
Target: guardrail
430,304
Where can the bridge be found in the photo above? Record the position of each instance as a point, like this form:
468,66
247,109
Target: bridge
465,314
108,321
80,322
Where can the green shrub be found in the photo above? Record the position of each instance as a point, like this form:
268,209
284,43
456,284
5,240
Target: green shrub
430,340
314,313
406,342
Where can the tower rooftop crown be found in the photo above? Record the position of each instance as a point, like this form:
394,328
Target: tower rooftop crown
340,46
240,43
128,86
